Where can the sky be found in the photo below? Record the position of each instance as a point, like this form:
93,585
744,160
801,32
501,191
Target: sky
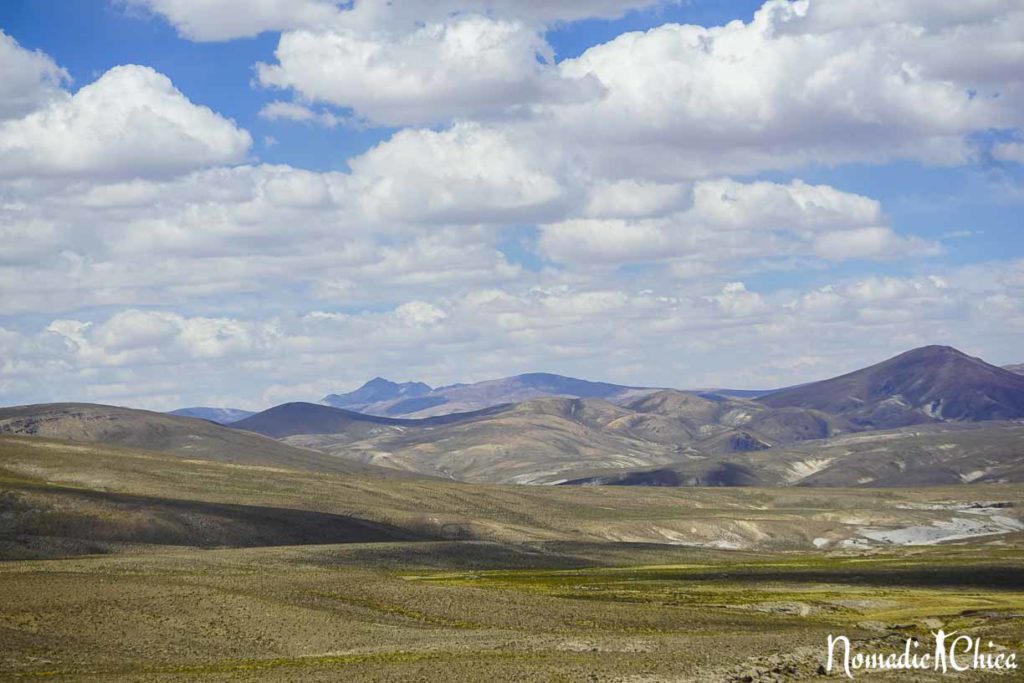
245,202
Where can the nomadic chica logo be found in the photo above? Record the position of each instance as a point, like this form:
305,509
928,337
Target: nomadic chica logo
948,654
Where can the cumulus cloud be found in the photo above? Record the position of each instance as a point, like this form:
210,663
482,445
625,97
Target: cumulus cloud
796,206
577,216
28,80
933,15
228,232
1009,151
134,329
466,174
300,113
402,63
426,210
890,301
131,121
729,222
700,336
736,300
802,82
439,261
612,241
634,198
134,337
368,13
875,242
418,313
207,20
470,66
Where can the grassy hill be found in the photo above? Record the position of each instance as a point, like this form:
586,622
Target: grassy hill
186,569
550,440
106,494
183,437
924,455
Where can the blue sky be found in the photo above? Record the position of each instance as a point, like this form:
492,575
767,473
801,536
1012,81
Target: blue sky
91,36
279,203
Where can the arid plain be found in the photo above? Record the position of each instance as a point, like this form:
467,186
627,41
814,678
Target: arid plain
139,565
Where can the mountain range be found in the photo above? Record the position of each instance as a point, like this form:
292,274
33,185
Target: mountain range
548,440
413,400
930,415
617,434
416,399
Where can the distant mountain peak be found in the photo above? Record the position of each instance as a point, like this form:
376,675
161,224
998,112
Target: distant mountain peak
934,350
383,397
376,390
926,384
560,385
937,352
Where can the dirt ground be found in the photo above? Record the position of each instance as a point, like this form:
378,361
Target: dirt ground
340,613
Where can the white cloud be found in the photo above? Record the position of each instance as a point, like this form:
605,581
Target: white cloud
873,291
134,329
891,301
378,13
419,313
131,121
230,232
227,19
706,334
736,300
128,226
293,111
25,241
794,86
611,241
933,14
207,20
134,337
469,66
874,242
732,222
796,206
28,80
800,83
635,198
466,174
821,304
1009,151
426,210
424,62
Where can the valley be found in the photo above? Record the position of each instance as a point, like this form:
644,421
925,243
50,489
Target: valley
668,535
125,564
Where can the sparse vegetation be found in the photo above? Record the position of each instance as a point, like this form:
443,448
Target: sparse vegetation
450,581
